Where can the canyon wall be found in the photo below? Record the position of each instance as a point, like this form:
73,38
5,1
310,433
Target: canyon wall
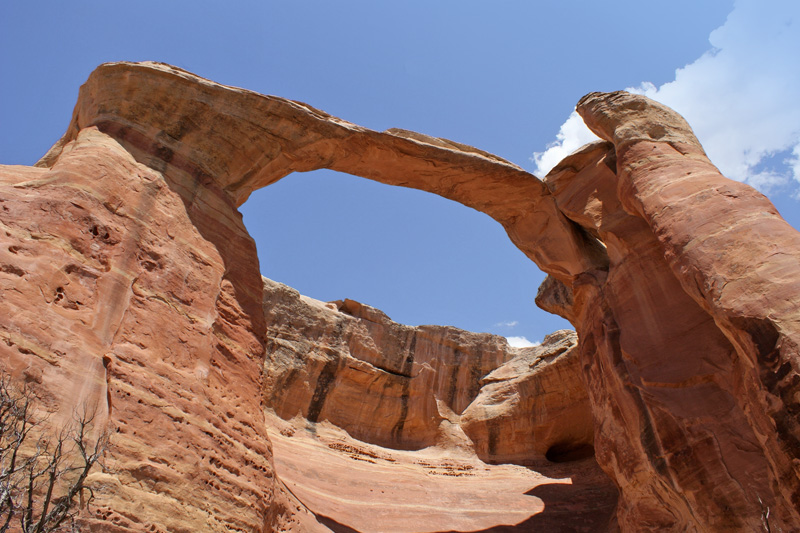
136,288
135,293
405,387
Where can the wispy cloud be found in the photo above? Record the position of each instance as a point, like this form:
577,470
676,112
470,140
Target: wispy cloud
510,324
521,342
740,97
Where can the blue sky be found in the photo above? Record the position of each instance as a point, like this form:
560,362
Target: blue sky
503,76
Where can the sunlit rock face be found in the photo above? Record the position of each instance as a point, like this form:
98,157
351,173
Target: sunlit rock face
689,339
134,288
382,382
127,292
406,387
534,406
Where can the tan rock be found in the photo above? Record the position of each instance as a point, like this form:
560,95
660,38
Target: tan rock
134,287
533,407
382,382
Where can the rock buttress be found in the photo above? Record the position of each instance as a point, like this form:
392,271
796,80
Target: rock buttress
689,339
687,311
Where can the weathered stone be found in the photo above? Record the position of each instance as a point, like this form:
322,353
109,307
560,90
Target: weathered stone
533,407
126,295
382,382
204,132
134,288
555,297
689,341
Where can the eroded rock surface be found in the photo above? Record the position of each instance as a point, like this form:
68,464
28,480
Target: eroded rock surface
125,294
407,387
383,382
689,339
134,287
533,407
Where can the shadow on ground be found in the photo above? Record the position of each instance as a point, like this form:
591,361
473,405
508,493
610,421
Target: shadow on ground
584,506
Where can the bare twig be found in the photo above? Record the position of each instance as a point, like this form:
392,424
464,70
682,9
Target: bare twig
42,479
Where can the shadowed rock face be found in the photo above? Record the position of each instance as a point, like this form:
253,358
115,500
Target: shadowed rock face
134,287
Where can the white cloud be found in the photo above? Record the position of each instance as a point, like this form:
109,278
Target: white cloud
506,324
521,342
741,97
572,135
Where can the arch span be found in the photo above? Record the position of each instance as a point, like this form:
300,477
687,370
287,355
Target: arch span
203,132
684,284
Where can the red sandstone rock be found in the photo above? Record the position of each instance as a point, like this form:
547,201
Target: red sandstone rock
534,406
355,486
204,132
383,382
407,387
689,339
125,293
134,288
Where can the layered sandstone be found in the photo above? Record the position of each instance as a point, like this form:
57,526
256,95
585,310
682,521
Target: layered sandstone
382,382
405,387
533,407
126,295
134,287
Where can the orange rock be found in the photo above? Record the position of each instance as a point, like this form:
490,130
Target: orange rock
382,382
140,299
135,288
355,486
533,407
690,339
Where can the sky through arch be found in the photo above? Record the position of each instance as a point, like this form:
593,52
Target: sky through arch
500,76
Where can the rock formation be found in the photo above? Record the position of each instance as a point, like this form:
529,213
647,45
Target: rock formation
533,406
355,390
142,300
405,387
135,288
382,382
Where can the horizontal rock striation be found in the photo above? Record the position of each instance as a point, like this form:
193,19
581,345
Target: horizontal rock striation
406,387
533,407
135,288
126,297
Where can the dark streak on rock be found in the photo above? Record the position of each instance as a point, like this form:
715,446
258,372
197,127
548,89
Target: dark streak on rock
452,384
397,430
324,382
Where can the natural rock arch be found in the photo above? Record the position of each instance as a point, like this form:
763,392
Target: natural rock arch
689,342
241,141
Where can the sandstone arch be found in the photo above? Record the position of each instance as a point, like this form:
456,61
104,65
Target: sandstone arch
687,311
241,141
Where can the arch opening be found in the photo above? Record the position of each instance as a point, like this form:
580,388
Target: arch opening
418,257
